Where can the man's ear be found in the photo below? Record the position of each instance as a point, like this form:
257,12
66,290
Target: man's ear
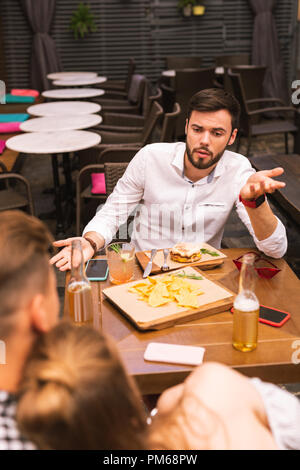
233,137
38,314
186,126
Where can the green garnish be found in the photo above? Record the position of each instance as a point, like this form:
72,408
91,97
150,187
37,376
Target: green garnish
204,251
115,247
188,276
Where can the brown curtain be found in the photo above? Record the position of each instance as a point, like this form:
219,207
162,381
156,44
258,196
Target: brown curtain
44,55
266,49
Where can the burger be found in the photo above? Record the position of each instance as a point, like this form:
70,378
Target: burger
185,252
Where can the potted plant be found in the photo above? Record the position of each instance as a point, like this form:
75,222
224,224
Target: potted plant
186,6
82,21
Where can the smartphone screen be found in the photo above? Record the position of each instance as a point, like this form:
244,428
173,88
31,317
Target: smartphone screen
272,316
97,270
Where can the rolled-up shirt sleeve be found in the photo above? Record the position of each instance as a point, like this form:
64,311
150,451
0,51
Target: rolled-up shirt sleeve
275,245
122,202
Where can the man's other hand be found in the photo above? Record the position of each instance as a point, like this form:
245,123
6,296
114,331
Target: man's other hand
262,182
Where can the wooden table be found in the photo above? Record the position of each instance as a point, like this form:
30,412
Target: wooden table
271,361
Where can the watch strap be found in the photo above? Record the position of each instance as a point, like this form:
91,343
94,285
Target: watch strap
253,203
92,243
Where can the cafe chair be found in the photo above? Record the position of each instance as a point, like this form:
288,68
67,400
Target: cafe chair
10,198
232,60
187,83
168,98
249,129
179,62
121,86
252,77
121,122
114,163
121,139
131,104
168,131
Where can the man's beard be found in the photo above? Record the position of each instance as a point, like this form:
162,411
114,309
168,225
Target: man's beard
199,164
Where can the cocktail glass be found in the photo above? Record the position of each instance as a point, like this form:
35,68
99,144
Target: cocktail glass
120,259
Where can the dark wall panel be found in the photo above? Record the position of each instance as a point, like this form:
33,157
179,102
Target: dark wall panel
148,30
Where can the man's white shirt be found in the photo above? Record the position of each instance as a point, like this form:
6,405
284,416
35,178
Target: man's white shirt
169,208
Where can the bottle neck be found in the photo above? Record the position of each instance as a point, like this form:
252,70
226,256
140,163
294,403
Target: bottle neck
77,263
248,275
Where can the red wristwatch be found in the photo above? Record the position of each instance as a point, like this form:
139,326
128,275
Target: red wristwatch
253,203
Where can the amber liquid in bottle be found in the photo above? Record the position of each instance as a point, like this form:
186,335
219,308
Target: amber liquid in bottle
246,309
79,289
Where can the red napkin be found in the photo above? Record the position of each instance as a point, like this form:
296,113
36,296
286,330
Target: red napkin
24,92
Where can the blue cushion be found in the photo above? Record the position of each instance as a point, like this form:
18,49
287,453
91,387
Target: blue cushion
14,117
18,99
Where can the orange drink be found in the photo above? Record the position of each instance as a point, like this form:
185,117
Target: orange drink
120,259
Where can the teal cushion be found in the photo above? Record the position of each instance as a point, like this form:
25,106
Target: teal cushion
18,99
14,117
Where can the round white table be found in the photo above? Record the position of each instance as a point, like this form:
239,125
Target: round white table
172,73
60,123
80,81
55,143
72,93
63,108
71,75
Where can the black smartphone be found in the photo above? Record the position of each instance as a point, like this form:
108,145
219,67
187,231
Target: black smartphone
272,316
97,270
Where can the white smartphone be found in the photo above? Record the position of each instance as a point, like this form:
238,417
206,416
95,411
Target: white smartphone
174,353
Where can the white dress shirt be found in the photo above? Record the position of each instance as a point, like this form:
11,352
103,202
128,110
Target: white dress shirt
169,208
283,412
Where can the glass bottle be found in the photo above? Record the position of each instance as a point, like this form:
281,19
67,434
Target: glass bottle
79,289
246,308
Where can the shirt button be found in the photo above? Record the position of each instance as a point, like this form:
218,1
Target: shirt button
193,185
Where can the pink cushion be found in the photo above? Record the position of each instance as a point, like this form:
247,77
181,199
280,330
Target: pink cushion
98,183
24,92
2,146
6,127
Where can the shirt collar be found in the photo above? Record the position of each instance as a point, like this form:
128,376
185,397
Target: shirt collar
178,162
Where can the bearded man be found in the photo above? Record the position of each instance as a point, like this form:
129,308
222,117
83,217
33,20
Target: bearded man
186,191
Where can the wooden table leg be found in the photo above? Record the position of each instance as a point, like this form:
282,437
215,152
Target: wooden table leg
57,196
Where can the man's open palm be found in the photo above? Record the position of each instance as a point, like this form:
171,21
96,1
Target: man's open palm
262,182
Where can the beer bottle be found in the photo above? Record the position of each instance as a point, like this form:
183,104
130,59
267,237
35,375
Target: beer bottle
79,289
246,308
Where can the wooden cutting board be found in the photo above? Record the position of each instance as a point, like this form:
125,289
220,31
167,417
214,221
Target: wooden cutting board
215,298
206,262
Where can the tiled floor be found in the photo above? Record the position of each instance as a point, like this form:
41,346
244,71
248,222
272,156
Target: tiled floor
38,170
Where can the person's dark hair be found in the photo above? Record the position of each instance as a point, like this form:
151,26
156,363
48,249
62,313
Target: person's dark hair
24,263
75,394
215,99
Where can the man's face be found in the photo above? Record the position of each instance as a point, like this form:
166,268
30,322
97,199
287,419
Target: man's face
207,136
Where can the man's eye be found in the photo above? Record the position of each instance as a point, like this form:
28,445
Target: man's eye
217,134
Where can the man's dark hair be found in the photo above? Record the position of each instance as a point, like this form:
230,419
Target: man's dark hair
215,99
